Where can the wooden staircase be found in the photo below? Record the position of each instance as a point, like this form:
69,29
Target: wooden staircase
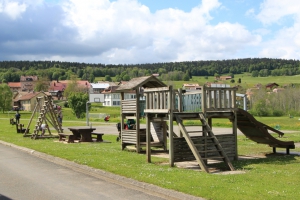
201,151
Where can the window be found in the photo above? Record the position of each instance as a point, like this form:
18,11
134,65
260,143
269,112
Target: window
116,103
96,99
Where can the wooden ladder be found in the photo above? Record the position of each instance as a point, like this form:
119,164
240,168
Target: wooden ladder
202,154
47,115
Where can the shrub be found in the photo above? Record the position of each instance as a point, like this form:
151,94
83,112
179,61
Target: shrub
278,113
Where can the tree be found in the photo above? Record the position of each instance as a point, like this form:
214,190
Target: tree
55,76
42,84
77,102
71,87
126,77
186,77
108,78
5,97
254,73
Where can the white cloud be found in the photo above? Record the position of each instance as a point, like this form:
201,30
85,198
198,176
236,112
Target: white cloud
13,9
286,44
130,32
285,41
250,12
122,31
274,10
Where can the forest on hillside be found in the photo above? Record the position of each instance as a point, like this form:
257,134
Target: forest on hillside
10,71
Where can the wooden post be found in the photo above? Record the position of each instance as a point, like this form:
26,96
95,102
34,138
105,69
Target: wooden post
137,114
180,103
203,99
171,145
122,118
148,138
235,123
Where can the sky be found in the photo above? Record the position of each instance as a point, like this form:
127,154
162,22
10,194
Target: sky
148,31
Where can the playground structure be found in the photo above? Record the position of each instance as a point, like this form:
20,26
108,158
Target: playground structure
161,105
44,108
258,132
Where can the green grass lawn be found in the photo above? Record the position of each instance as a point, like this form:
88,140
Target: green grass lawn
273,177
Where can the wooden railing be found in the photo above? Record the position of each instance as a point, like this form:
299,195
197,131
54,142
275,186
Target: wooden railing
214,99
165,99
158,100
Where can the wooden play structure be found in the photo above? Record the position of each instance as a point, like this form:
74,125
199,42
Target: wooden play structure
133,109
162,105
46,113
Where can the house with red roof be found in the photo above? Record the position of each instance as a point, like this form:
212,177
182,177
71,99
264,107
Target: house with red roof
57,88
14,86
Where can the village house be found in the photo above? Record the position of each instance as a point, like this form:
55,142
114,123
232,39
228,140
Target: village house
28,82
14,86
95,94
57,88
27,101
113,98
191,86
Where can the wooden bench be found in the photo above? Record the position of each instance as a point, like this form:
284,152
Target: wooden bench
20,128
66,137
99,136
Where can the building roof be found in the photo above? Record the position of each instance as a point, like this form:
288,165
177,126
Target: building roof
145,81
107,82
99,85
29,96
79,83
110,89
62,85
14,84
54,85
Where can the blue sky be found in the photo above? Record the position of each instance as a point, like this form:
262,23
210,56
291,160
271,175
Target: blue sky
148,31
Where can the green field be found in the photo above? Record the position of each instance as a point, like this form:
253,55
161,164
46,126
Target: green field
247,81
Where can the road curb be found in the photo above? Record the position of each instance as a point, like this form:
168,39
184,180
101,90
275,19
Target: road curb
110,177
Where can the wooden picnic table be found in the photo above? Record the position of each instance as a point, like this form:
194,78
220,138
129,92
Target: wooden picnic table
83,134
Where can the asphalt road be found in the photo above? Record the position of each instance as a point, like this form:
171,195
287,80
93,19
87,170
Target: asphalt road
26,174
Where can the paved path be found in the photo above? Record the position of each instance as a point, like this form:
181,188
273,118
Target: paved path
27,174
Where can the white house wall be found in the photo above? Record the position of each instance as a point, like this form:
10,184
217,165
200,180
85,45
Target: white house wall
113,99
96,98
